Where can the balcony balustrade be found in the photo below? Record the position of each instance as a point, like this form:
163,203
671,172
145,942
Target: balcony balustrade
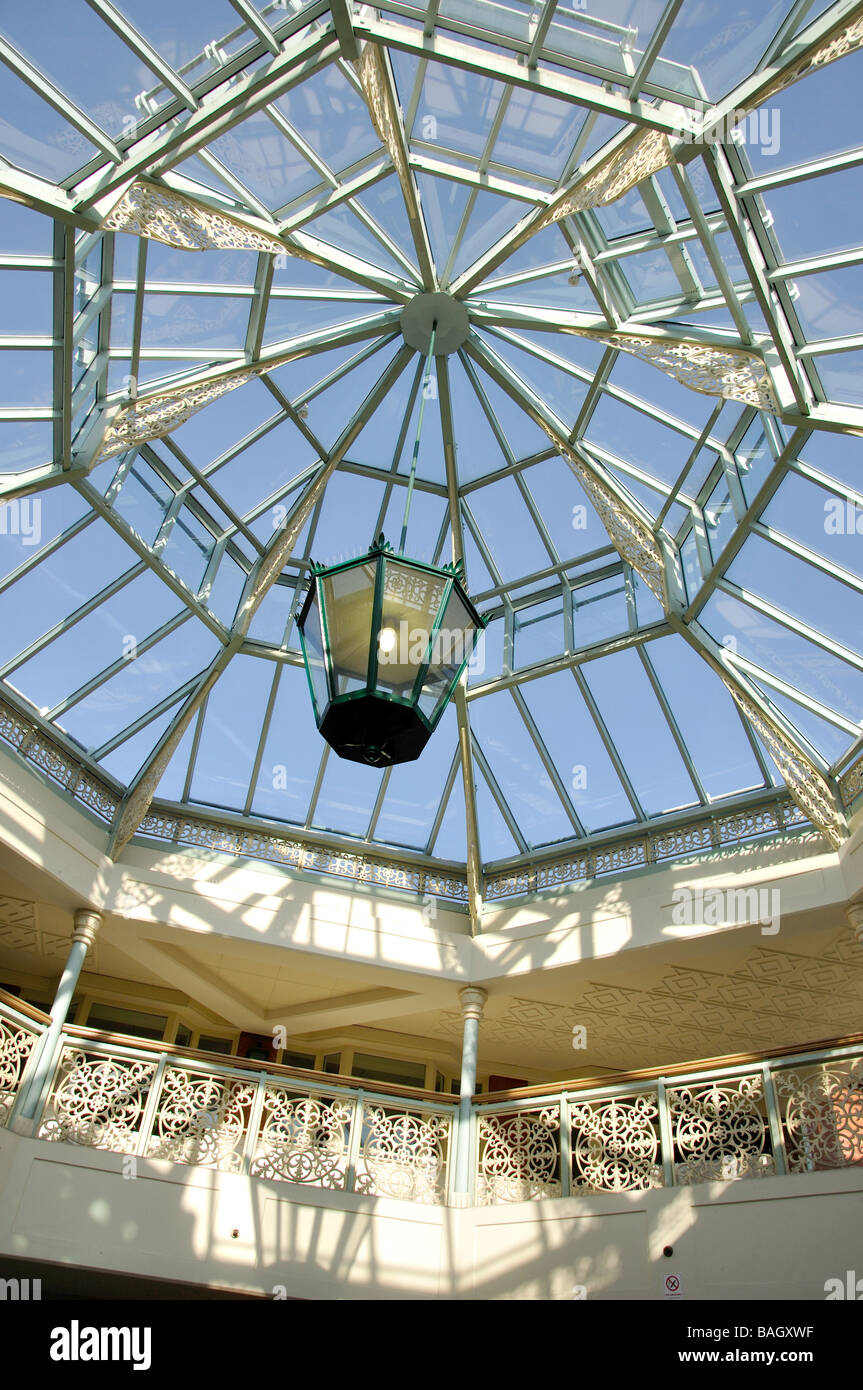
792,1114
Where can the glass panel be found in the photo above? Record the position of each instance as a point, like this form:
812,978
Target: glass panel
834,454
635,437
109,634
719,518
25,444
26,297
822,520
831,304
347,797
579,754
79,53
842,376
707,718
143,500
509,532
141,684
830,608
313,651
293,751
348,604
451,648
188,549
518,769
599,611
754,459
410,606
565,508
60,584
538,632
231,732
25,377
640,733
414,791
451,842
786,653
816,117
817,215
721,44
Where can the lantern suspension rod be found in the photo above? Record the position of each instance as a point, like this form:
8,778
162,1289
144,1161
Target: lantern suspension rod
413,473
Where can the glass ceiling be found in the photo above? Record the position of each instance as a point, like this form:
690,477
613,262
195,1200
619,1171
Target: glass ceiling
333,162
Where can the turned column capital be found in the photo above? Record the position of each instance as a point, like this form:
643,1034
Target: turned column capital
472,999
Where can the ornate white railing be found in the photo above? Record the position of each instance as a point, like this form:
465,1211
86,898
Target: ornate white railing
158,1103
20,1030
789,1115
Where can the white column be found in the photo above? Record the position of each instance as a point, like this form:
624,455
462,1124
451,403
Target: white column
87,923
472,1000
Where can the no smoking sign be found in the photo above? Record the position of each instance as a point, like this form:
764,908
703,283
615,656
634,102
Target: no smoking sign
673,1286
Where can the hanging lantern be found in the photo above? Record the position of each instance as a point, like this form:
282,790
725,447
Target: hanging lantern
385,640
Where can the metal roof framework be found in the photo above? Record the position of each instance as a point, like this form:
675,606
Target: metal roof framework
595,208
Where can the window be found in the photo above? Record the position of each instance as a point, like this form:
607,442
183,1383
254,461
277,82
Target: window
209,1043
388,1069
111,1019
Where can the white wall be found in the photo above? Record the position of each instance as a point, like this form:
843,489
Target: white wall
755,1239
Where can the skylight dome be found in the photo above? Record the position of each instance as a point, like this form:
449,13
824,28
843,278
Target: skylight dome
221,227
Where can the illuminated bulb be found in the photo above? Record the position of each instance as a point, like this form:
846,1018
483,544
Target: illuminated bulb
387,639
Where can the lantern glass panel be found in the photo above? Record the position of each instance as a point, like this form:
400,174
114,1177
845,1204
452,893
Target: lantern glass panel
348,597
313,650
452,647
410,603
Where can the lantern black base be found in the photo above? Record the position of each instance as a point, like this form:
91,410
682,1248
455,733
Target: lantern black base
374,731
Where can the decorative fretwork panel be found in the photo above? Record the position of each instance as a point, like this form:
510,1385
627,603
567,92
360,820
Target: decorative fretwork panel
631,536
14,728
699,837
201,1119
17,1039
720,1131
98,1100
519,1156
615,1144
822,1114
728,1169
403,1153
94,794
846,38
805,783
372,72
51,758
303,1138
643,154
732,372
253,844
851,782
156,415
161,214
646,152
